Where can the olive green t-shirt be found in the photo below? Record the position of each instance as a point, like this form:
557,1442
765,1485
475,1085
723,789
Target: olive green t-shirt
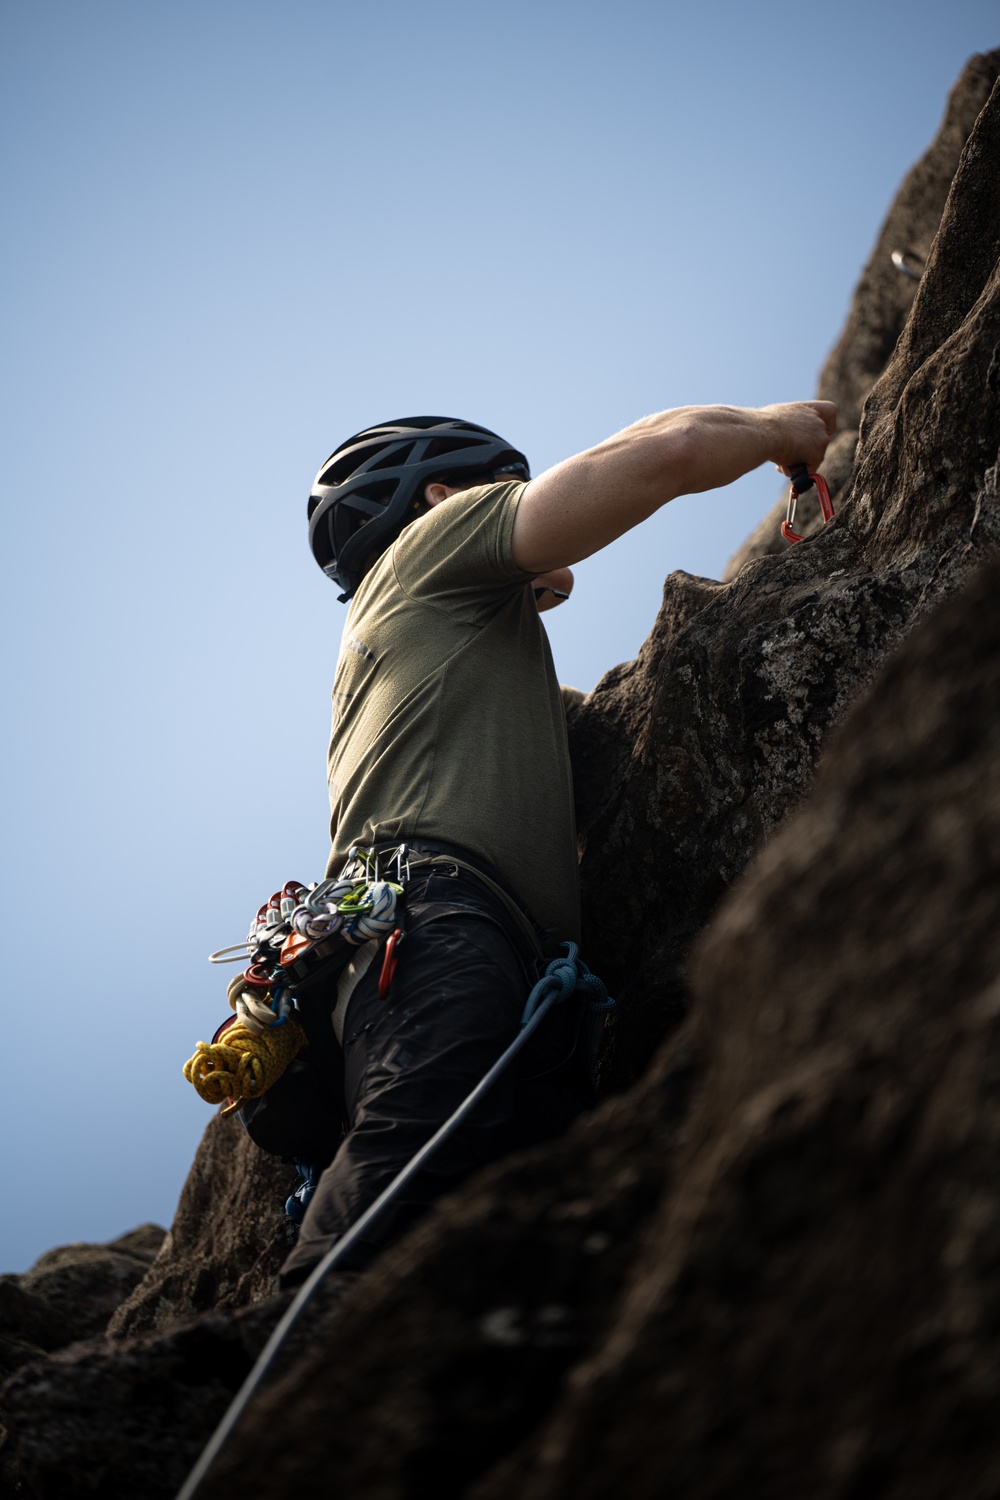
447,717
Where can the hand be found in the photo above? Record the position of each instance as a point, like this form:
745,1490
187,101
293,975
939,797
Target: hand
552,588
802,430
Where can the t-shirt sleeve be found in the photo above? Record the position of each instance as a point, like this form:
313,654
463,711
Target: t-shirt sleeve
462,547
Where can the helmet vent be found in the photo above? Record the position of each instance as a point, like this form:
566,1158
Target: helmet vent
339,470
438,447
372,499
397,455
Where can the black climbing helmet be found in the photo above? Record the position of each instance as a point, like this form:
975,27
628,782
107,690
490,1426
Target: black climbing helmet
373,484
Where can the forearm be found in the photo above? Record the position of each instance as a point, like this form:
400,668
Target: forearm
705,447
583,504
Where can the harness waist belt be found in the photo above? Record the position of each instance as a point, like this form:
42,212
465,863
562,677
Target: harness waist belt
439,853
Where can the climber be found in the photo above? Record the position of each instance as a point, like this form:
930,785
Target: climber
449,734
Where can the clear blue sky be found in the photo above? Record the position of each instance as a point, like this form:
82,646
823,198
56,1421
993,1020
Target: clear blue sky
237,232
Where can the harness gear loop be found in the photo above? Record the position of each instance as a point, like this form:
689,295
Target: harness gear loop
802,481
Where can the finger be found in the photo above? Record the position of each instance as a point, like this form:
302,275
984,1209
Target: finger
827,412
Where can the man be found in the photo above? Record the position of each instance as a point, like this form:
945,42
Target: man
449,735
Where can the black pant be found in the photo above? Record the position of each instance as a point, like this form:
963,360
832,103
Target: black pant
410,1060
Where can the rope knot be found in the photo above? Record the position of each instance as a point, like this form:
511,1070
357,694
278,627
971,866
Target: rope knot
567,974
563,971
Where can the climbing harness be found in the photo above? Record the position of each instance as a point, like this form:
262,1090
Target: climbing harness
802,481
563,977
301,931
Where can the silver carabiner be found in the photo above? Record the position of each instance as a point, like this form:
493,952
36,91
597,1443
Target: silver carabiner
402,857
901,260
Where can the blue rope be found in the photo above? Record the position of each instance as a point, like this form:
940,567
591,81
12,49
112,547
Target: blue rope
562,977
296,1205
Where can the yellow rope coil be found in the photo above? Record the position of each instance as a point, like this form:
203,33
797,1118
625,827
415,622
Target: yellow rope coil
244,1064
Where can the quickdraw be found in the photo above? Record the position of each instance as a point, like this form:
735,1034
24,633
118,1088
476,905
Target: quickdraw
802,481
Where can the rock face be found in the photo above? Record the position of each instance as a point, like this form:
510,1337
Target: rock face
228,1238
767,1264
127,1419
882,302
814,1309
687,759
70,1293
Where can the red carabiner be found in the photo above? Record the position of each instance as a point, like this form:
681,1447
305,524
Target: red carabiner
257,977
802,480
389,963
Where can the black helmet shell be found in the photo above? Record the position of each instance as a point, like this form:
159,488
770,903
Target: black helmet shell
373,484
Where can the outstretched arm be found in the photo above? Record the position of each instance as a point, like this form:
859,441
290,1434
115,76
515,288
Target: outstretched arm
586,502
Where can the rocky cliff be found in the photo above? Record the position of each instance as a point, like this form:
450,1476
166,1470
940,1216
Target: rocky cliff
767,1264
